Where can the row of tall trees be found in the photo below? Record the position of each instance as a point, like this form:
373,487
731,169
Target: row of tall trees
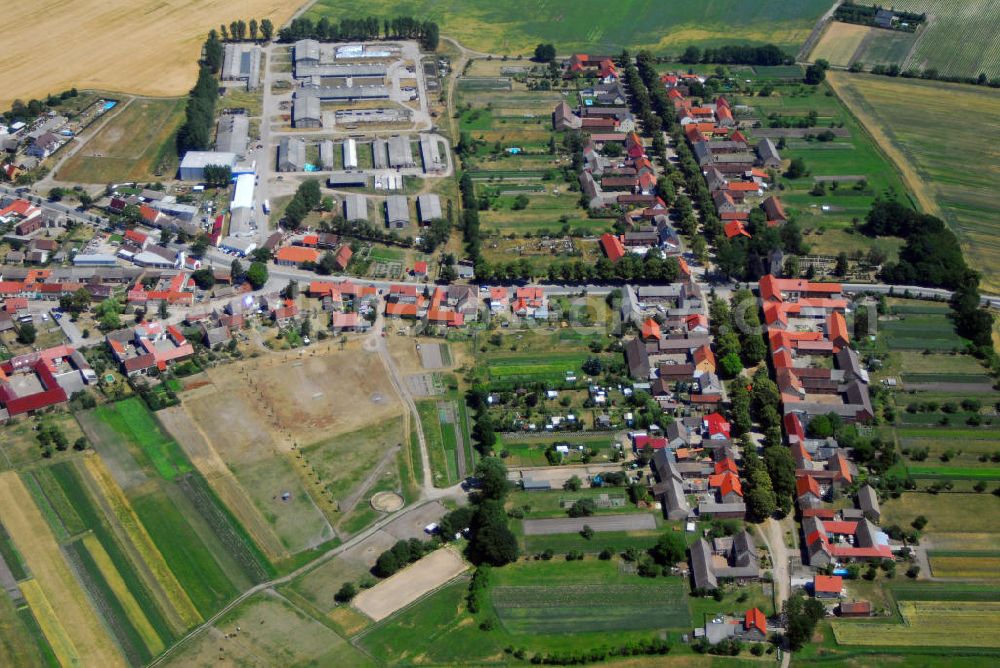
241,31
368,28
737,54
199,116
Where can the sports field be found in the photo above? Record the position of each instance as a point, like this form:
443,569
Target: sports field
950,174
143,47
960,38
516,26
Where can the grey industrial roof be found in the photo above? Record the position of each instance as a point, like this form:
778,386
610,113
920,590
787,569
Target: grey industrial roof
326,154
350,92
305,107
331,70
356,207
292,150
430,207
397,208
306,49
234,131
400,151
201,159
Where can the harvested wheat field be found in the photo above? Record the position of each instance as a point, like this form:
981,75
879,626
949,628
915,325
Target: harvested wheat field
148,47
66,617
406,586
840,42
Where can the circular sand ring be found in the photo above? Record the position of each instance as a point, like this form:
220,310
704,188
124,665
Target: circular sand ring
387,502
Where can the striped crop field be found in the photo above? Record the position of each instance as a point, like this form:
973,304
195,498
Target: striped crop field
929,624
960,38
950,174
984,566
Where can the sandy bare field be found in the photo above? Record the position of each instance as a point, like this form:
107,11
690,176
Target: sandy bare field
410,583
148,47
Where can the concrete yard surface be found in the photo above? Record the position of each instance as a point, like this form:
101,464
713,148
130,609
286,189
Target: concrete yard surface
630,522
411,583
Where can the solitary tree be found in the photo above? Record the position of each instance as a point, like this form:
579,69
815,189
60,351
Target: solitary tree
257,275
266,29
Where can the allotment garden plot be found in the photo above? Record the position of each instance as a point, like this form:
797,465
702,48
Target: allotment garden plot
850,166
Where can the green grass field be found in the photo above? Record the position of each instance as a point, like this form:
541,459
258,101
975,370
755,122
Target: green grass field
929,624
558,597
919,332
204,580
515,26
906,117
946,513
132,421
136,145
525,367
438,630
20,636
441,444
960,39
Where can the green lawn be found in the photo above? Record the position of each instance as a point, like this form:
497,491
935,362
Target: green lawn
516,26
133,422
441,444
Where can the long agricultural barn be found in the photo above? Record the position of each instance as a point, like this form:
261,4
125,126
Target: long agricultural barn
326,154
306,52
430,208
430,153
347,180
400,152
397,211
306,111
291,155
356,208
241,62
379,151
233,133
350,154
349,93
303,70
